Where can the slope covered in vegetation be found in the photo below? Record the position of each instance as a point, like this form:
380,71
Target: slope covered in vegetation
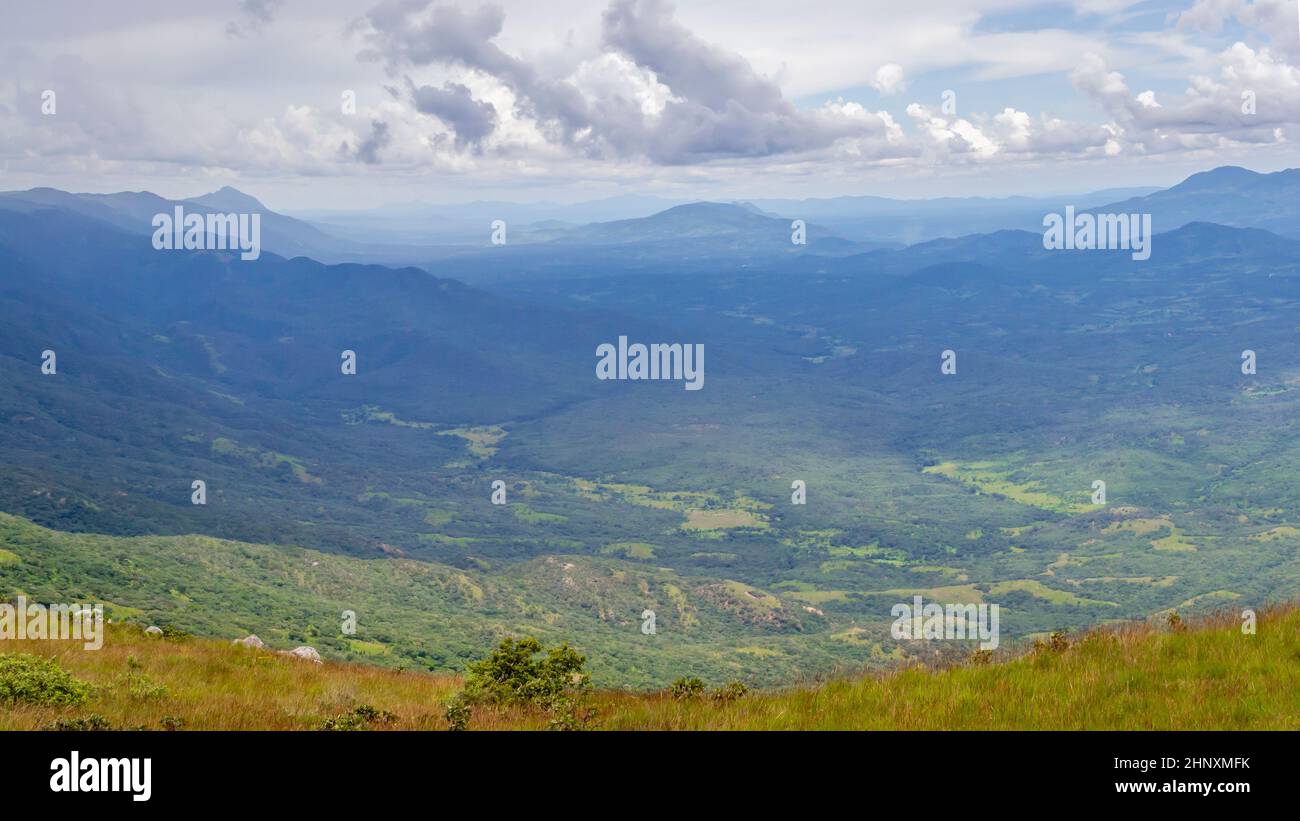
1207,674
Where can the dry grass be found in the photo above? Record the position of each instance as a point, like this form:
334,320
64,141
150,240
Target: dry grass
216,685
1206,676
1138,677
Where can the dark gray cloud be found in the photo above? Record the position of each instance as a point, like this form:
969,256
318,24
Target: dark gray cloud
368,151
471,119
720,106
645,31
404,35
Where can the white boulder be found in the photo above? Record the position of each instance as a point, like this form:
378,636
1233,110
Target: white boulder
306,654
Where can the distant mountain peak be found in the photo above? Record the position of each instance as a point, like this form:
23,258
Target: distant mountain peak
228,198
726,212
1224,175
703,206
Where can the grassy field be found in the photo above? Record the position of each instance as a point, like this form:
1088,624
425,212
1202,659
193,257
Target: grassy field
1201,675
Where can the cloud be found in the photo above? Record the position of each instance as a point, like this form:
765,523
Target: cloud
472,121
720,106
1210,15
638,91
416,33
1211,113
646,32
677,99
889,79
1274,19
1006,136
254,16
368,151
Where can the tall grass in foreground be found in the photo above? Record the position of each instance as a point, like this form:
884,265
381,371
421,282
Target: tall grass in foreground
1204,675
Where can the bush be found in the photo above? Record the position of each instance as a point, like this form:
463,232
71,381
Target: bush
684,688
138,685
362,717
82,724
35,680
513,674
171,722
571,714
370,715
730,692
171,633
1056,643
458,712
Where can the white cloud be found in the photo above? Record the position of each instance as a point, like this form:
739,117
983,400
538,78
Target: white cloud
1210,113
889,79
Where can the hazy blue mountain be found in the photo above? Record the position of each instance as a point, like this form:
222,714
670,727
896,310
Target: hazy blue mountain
230,199
878,220
286,236
700,237
711,228
134,213
1228,195
469,224
287,320
456,238
908,221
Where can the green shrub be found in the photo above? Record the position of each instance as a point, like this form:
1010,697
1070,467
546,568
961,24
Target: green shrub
35,680
730,692
570,714
137,684
172,633
513,674
1056,643
523,672
362,717
81,724
172,722
684,688
458,712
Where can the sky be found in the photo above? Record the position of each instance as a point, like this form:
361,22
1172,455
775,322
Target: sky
346,105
